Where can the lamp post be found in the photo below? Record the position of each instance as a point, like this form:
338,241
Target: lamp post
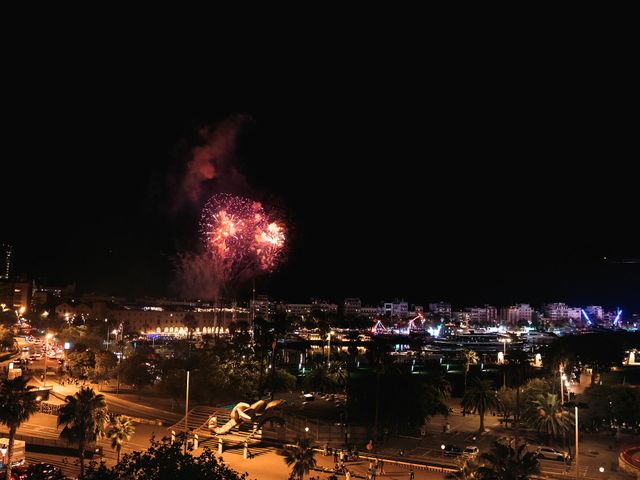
186,416
561,385
576,406
504,354
329,348
46,356
115,337
442,447
107,329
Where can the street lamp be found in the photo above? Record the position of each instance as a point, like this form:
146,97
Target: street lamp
329,347
504,354
186,416
576,406
442,447
46,357
107,324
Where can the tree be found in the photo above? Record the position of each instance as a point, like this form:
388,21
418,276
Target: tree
84,416
320,379
164,460
120,430
137,370
190,324
469,357
301,458
105,366
17,403
6,338
480,398
467,470
547,416
81,364
508,402
506,463
284,381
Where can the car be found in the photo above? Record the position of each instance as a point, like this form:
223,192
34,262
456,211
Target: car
18,472
471,452
452,450
25,348
551,454
45,470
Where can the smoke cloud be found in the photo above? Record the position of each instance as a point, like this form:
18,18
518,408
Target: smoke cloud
212,163
197,276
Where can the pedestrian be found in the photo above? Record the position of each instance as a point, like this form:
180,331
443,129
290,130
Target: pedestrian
373,473
411,474
347,475
381,467
335,456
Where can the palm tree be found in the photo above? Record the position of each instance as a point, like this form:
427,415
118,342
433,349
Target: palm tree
506,463
17,403
84,416
120,430
301,457
480,398
320,378
469,357
467,470
547,416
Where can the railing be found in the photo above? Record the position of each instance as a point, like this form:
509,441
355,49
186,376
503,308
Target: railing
50,408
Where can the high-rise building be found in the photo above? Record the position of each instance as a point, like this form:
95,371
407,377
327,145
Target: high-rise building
486,314
5,261
396,309
595,312
556,311
14,295
516,313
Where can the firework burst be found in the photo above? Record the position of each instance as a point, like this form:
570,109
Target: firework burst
240,236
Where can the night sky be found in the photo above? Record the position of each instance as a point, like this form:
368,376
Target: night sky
495,190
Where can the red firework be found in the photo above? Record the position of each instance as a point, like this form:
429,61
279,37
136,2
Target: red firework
240,236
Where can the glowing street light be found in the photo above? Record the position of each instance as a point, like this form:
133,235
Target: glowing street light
577,405
504,354
46,357
329,347
442,447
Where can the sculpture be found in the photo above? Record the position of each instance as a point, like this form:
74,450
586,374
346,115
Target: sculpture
258,412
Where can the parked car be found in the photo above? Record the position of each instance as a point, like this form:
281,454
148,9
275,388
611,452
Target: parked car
17,472
452,450
45,470
471,452
551,454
